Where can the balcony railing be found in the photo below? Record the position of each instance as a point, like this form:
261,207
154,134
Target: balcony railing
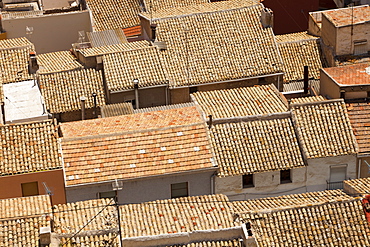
334,185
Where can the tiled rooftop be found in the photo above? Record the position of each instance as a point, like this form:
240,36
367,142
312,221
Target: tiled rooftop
12,43
245,208
360,186
21,207
331,224
357,74
62,91
293,37
116,109
307,99
110,240
164,107
143,144
107,37
216,243
299,53
22,232
255,146
29,147
134,122
159,5
143,64
238,102
360,121
192,7
183,214
14,63
348,16
71,217
324,128
218,46
57,62
102,50
113,14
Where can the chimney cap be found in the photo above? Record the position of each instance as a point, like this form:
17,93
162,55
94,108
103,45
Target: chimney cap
82,98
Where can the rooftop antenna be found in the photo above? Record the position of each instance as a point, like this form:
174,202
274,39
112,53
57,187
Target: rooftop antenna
81,36
116,186
29,32
50,193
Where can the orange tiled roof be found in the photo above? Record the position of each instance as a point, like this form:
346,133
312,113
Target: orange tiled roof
359,117
359,186
132,31
29,147
330,224
357,74
324,128
343,16
57,61
153,143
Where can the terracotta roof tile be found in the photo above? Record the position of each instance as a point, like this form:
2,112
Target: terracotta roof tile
213,243
134,122
57,61
247,207
71,217
343,16
307,99
107,37
324,128
21,207
183,214
29,147
113,110
110,239
268,145
292,37
360,186
218,46
331,224
62,91
143,64
108,49
356,74
238,102
299,53
160,10
359,117
113,14
14,63
16,42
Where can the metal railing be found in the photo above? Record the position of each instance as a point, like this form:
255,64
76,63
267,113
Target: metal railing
334,185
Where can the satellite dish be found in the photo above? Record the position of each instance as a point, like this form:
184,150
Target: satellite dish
117,185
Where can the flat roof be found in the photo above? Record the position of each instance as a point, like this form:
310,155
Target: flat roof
357,74
343,16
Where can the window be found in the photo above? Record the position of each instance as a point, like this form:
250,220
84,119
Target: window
30,189
285,177
360,47
179,190
248,181
107,194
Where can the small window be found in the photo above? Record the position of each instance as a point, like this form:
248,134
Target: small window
179,190
193,89
248,181
30,189
285,177
108,194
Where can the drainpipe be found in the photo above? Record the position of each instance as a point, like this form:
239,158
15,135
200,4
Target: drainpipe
213,183
210,122
305,80
3,112
82,107
94,96
136,88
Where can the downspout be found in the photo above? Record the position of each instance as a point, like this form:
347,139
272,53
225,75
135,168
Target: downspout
213,183
359,168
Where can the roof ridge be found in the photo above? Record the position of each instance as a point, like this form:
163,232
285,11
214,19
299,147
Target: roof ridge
260,117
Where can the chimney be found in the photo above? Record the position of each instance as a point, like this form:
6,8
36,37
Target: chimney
305,80
210,122
32,63
136,88
83,99
153,27
267,18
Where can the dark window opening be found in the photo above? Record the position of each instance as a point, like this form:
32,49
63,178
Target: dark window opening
107,194
179,190
248,181
193,89
30,189
285,177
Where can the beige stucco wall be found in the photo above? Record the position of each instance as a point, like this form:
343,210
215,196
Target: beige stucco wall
54,32
318,170
364,169
345,41
328,87
148,97
266,184
314,28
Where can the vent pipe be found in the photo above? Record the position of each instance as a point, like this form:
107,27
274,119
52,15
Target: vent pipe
83,99
136,88
94,96
305,80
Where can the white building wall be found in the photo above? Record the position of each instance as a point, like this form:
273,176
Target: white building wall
146,189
